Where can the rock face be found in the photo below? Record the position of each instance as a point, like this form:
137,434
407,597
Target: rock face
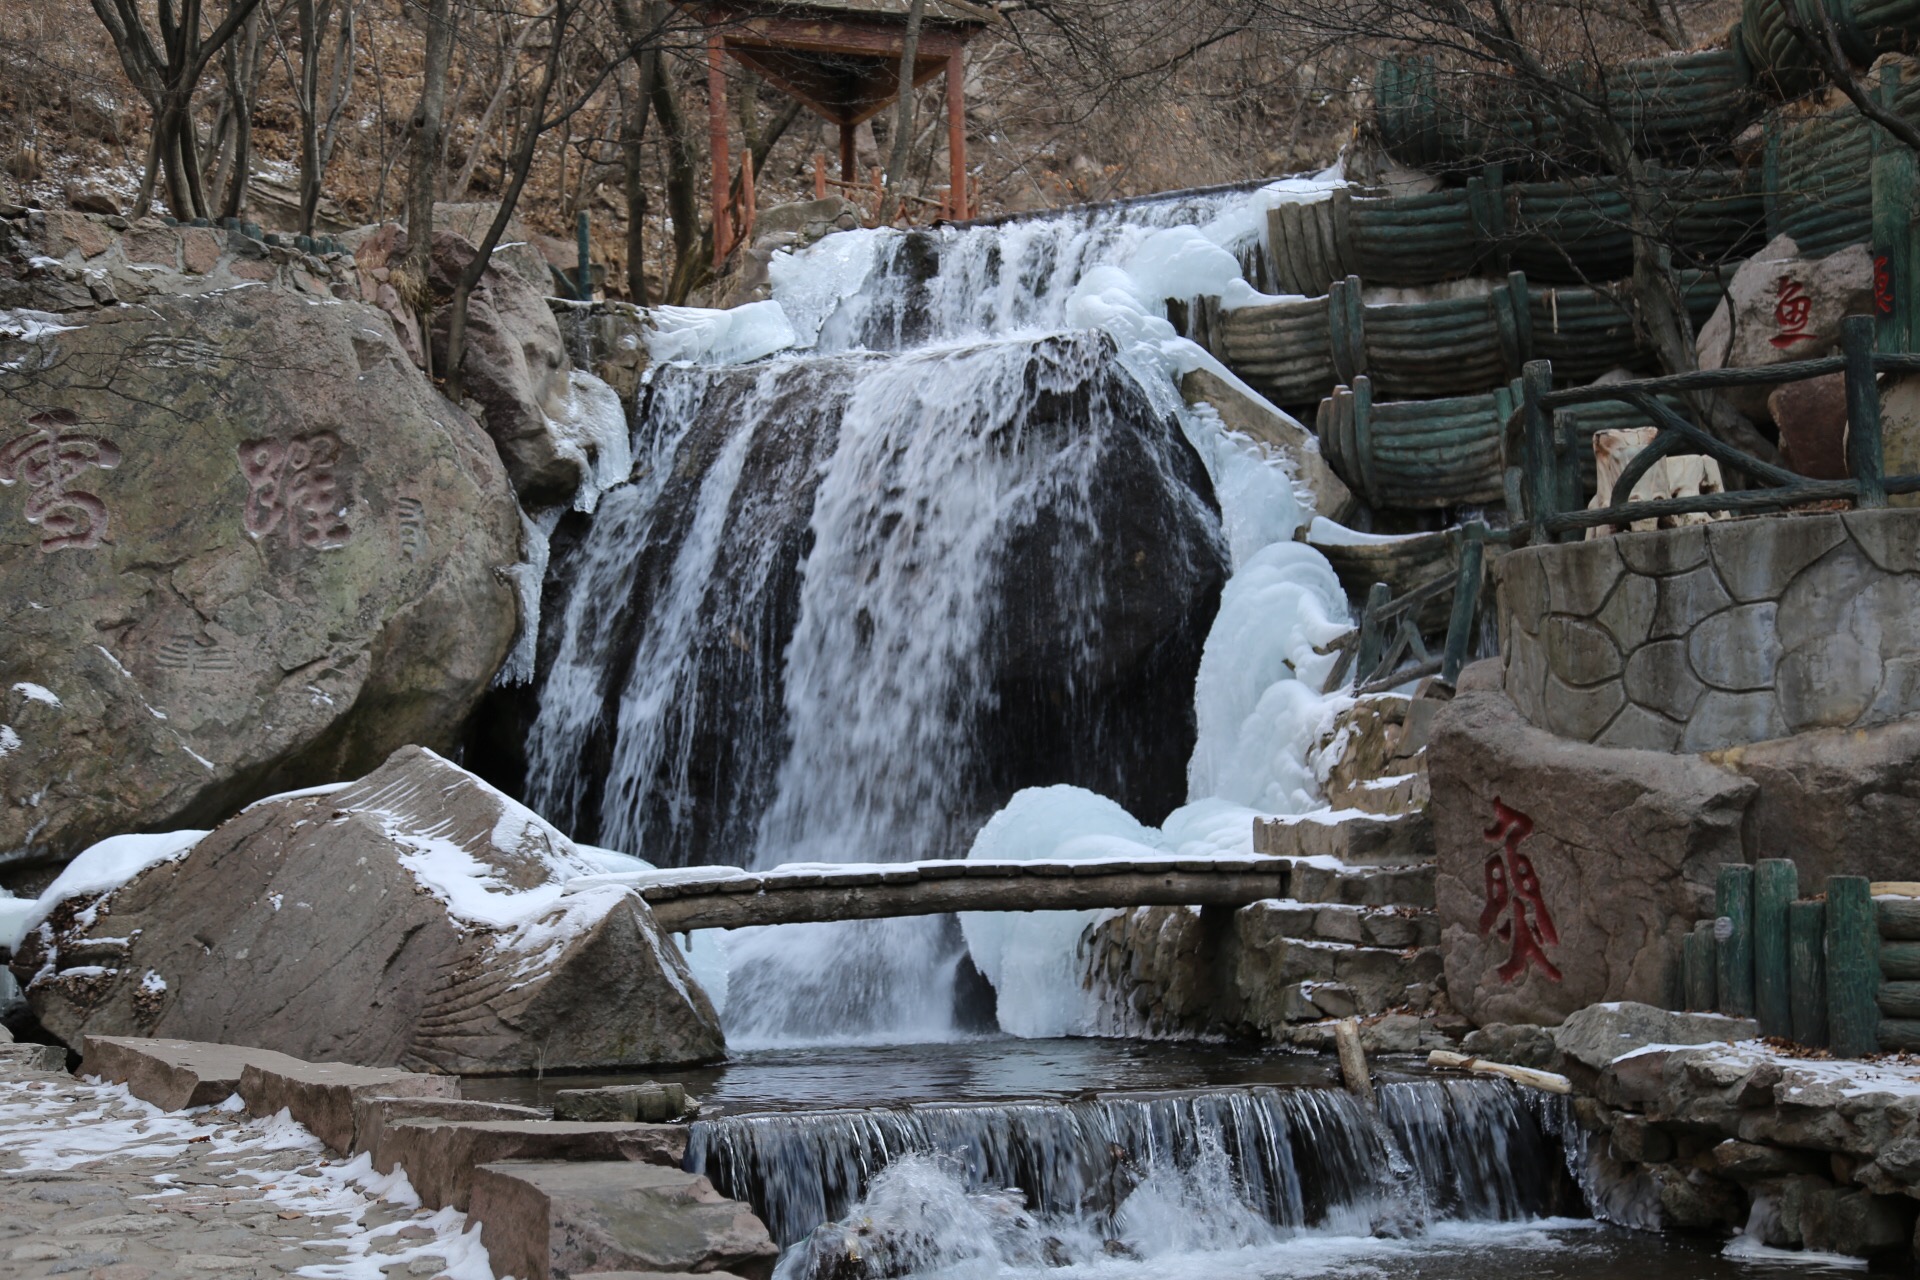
245,546
462,950
1597,1034
1784,308
1716,635
783,227
515,368
1567,872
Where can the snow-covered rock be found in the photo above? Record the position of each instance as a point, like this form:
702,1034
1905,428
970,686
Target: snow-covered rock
415,918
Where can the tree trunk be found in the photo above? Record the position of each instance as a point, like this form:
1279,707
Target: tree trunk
902,147
428,120
633,132
310,21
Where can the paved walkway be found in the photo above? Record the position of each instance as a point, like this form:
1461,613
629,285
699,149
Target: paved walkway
96,1184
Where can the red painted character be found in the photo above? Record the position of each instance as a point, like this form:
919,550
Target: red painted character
1513,889
1791,313
1882,285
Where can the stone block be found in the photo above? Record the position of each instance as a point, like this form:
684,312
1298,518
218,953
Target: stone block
648,1102
1736,649
373,1115
1819,603
1638,729
175,1074
1526,680
1731,719
67,232
1663,552
1684,599
1581,713
156,246
1522,588
33,1057
1812,418
1580,652
1660,677
1364,886
1827,683
1628,613
439,1156
1758,557
1580,575
1621,845
540,1221
1360,840
321,1095
1857,1223
1637,1140
1601,1033
1889,537
199,249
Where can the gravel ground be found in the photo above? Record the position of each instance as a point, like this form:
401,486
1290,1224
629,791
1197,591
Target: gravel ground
95,1183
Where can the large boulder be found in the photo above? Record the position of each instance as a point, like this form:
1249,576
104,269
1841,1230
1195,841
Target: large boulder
415,918
1782,307
1568,872
244,545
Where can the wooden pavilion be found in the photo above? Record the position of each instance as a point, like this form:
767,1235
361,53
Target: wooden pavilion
840,58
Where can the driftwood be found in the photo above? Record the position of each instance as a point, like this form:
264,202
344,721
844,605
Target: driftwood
1546,1080
1353,1059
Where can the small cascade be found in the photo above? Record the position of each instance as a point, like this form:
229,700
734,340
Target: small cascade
1285,1159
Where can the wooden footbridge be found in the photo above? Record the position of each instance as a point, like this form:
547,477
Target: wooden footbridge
728,898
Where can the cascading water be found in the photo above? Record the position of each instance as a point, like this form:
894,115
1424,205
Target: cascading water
957,537
1163,1174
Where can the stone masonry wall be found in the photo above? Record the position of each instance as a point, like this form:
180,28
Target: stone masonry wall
1716,635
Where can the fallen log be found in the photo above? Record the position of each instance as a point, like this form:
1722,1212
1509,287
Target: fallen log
1546,1080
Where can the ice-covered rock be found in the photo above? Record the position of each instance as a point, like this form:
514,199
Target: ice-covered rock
414,918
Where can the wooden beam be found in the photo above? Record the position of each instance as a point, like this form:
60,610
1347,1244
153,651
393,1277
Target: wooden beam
745,905
957,135
826,36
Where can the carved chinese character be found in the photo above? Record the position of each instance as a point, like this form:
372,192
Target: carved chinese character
1882,285
410,515
292,486
48,460
1513,892
1791,313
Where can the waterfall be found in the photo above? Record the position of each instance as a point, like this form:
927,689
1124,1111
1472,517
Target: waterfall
957,536
1285,1159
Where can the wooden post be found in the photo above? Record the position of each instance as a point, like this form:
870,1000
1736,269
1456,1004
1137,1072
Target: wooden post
1373,635
1776,883
1864,457
1701,989
957,135
1353,1059
747,196
1892,178
717,144
1807,972
1733,971
1543,484
1853,967
1466,602
846,154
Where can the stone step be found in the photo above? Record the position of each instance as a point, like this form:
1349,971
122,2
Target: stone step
1388,886
540,1220
1392,796
1348,835
321,1095
1394,927
440,1156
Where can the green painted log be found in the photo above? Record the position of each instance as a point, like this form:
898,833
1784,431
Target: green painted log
1899,1035
1308,244
1899,919
1899,999
1853,968
1572,232
1415,454
1443,347
1700,964
1807,971
1865,27
1733,901
1775,885
1899,961
1283,350
1895,205
1819,167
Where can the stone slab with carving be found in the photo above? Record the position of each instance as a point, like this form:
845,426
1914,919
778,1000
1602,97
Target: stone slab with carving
1781,307
244,545
1567,873
416,918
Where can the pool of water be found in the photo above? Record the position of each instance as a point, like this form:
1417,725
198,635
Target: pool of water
995,1069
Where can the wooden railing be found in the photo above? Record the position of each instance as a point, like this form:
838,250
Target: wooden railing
1389,631
1547,487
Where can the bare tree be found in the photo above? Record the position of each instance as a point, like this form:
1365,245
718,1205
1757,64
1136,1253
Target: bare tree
165,66
1821,39
320,113
902,149
423,178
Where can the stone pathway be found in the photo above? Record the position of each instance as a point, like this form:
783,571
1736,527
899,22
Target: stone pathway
96,1184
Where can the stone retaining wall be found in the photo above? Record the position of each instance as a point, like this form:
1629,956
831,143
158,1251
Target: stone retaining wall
1716,635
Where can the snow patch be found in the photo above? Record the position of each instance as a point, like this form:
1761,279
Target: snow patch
38,693
101,868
